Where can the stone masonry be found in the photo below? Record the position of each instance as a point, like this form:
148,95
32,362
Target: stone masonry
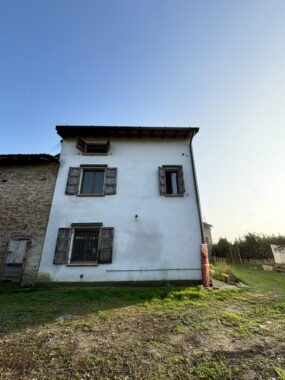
26,191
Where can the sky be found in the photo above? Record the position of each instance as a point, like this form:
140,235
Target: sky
217,65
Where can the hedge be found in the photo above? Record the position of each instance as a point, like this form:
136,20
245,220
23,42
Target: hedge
250,246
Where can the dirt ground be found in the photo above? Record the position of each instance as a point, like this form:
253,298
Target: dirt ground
185,333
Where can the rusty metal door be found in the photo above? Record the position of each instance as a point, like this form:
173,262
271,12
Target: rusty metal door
15,258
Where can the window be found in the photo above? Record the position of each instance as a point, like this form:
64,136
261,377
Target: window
92,181
171,180
98,146
85,244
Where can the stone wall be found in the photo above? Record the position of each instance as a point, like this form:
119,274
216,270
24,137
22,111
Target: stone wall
26,193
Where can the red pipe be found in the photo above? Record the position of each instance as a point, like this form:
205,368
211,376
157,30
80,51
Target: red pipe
205,265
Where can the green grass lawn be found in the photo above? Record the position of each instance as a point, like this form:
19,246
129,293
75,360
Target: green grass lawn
260,280
145,333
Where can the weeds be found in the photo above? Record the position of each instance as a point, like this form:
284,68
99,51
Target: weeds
150,333
214,370
223,267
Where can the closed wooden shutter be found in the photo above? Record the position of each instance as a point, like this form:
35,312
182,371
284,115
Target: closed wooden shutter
62,246
80,144
180,181
16,250
162,180
110,181
105,246
72,186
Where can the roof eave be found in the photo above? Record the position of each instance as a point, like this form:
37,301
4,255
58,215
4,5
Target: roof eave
23,159
125,131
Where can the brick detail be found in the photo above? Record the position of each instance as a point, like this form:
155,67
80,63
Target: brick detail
26,193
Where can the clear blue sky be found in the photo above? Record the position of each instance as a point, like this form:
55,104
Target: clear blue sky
219,65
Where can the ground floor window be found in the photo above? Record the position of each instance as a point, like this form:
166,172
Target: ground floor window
85,246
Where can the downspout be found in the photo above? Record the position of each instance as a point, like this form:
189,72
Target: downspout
205,268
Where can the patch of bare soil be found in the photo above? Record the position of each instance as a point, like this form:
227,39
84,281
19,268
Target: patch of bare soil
135,344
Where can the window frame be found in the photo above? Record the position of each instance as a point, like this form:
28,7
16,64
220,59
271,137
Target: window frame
70,253
82,145
170,171
94,170
178,169
81,181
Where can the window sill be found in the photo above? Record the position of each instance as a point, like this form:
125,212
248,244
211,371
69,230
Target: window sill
82,265
90,195
174,195
95,154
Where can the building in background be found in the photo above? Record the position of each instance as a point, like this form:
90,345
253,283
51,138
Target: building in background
125,207
208,237
26,189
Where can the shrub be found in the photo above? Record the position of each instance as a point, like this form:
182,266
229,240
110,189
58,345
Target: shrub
254,246
250,246
221,249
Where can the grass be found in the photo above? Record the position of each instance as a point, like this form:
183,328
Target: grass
149,333
260,280
223,267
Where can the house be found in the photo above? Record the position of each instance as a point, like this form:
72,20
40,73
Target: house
26,188
125,208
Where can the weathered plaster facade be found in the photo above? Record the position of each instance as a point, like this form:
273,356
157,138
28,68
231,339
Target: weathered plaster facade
26,190
161,244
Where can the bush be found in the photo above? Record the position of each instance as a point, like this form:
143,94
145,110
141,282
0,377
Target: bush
250,246
222,249
253,246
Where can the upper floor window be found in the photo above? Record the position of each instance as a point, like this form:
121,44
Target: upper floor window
171,180
97,146
91,180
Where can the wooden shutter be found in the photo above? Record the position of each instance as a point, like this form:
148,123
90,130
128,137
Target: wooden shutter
108,146
62,246
180,181
105,245
16,250
80,144
72,186
110,181
162,180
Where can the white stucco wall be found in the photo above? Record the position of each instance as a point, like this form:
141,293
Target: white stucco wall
163,243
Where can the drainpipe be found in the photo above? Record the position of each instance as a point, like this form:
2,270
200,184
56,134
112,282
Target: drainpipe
205,268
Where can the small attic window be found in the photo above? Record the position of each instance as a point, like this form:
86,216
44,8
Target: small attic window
97,146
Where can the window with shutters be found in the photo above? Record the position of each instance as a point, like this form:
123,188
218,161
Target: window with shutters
91,180
90,246
171,180
98,146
